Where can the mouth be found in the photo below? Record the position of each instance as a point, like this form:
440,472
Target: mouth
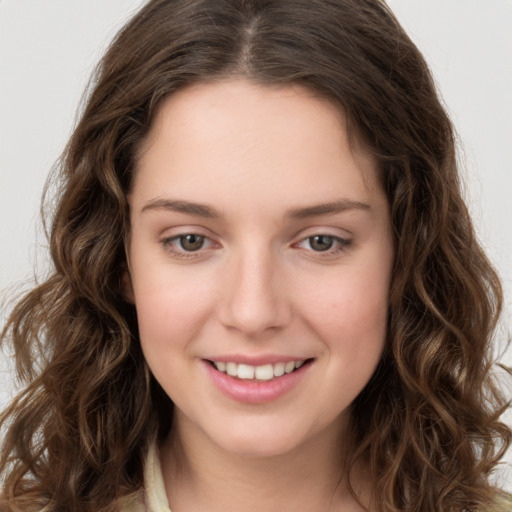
261,373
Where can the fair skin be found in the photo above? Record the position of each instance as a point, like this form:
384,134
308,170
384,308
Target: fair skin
260,242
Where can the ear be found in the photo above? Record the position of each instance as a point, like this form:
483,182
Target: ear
127,287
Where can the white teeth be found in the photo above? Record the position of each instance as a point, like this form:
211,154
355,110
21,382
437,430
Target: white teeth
245,371
231,368
263,372
278,369
221,366
289,367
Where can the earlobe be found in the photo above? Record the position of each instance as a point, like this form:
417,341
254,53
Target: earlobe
127,287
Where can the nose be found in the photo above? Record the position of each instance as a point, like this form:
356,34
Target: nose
254,300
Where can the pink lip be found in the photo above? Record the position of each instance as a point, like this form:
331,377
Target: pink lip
255,392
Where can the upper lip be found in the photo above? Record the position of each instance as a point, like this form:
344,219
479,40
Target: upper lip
255,360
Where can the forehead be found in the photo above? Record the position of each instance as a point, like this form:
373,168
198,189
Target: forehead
254,138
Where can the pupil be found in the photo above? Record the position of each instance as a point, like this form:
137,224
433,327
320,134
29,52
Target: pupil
192,242
321,242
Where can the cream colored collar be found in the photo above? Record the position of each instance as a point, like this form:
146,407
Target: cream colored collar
154,483
152,498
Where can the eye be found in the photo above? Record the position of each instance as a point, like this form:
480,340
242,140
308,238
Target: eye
321,243
187,244
191,242
324,243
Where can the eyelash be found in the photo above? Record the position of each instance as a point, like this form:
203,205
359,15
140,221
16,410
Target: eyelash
340,244
171,245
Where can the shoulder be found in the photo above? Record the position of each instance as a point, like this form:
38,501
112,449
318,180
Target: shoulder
502,504
132,503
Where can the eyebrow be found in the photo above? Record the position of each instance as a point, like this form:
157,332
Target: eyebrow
208,212
200,210
331,208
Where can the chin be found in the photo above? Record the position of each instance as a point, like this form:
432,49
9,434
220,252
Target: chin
257,448
260,439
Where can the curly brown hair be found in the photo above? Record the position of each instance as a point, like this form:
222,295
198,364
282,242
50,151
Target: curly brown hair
428,421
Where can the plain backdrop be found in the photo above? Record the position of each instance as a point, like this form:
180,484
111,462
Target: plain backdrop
49,47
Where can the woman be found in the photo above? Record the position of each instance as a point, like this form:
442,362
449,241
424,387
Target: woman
267,290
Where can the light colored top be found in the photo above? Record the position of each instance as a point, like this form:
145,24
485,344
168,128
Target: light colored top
152,498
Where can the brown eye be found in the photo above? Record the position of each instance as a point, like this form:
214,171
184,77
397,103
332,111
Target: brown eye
189,246
191,242
321,243
324,245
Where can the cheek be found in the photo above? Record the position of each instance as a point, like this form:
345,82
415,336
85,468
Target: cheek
350,301
171,313
171,307
348,312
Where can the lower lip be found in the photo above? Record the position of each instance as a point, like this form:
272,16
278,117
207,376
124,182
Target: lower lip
256,392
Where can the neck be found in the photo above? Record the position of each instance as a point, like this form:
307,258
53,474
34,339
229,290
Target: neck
200,475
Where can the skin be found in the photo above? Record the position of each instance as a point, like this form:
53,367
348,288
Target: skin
260,157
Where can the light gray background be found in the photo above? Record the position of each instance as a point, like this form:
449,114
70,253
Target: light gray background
49,47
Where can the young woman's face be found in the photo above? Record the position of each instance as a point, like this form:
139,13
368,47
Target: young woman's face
260,242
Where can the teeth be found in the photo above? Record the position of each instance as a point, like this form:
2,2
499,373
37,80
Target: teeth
279,369
231,369
245,371
264,372
289,367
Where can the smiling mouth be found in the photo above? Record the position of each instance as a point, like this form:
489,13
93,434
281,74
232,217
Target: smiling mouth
261,373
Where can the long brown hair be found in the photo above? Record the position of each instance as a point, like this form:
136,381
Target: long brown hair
428,421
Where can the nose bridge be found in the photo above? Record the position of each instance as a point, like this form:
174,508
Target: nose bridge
254,301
